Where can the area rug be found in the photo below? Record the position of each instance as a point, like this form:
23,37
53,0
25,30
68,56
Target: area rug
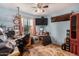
49,50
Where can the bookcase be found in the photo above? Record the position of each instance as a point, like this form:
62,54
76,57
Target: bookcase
74,33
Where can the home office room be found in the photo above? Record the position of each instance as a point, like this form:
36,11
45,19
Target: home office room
39,29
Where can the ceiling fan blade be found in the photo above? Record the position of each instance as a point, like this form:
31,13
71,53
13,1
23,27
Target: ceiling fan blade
45,6
35,10
34,7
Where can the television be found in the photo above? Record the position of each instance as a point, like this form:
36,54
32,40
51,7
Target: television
41,21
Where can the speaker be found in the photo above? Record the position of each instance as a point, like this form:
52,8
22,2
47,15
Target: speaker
68,40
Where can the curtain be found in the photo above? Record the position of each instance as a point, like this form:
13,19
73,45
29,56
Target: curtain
32,28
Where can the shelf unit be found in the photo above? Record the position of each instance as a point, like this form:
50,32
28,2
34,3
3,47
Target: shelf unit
74,33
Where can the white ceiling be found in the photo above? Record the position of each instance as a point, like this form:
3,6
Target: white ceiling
27,7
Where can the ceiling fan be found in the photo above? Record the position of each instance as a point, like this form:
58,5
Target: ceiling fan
40,7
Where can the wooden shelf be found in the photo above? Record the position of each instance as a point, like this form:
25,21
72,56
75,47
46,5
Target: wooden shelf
64,17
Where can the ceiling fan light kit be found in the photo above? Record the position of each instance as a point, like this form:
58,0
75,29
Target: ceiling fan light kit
40,7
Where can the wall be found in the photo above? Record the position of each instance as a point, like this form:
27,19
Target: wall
58,31
7,16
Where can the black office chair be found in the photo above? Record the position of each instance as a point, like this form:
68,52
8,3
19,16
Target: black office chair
21,43
46,40
10,34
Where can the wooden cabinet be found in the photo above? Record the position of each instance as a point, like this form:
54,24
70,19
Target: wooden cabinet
74,33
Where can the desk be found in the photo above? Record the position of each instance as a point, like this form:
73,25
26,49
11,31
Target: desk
45,40
39,37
